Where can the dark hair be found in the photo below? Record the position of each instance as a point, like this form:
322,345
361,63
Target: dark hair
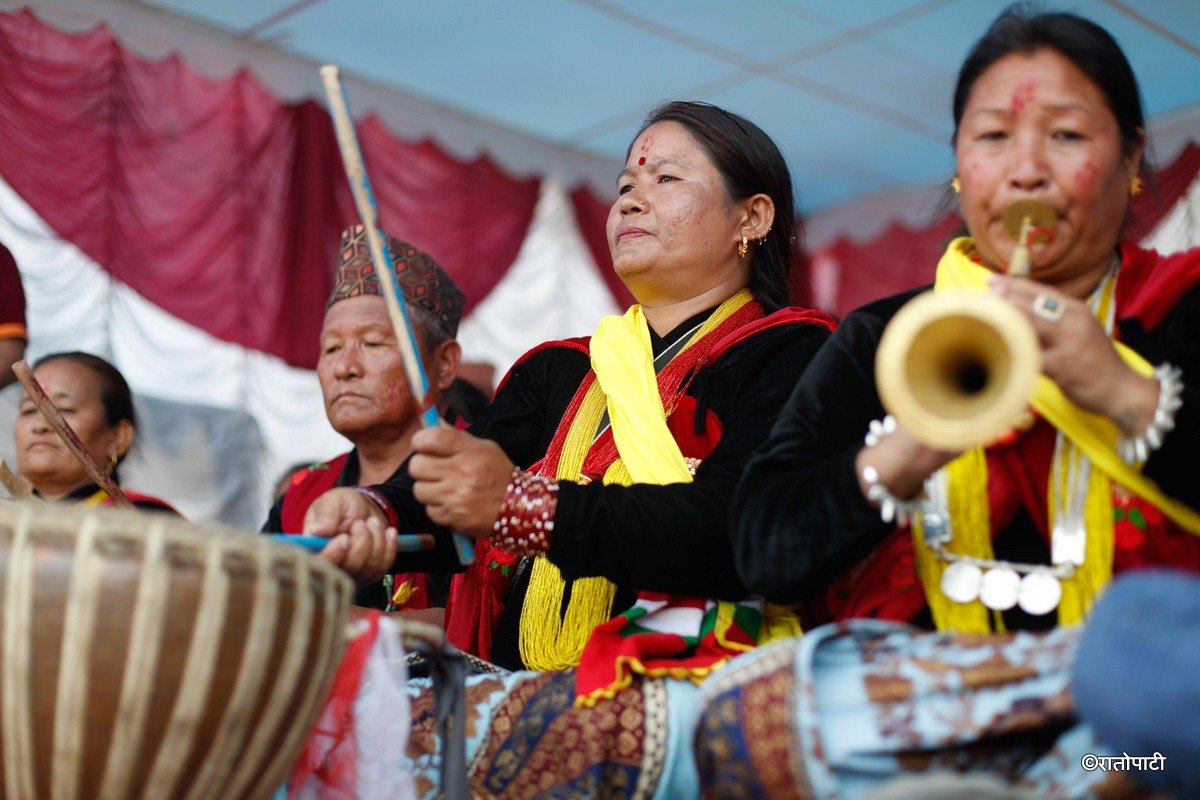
750,163
115,395
1021,28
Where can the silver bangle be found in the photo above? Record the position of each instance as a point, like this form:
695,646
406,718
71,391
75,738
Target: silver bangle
892,509
1135,450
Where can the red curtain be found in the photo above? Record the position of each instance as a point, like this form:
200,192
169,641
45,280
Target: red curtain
216,201
900,258
903,258
470,216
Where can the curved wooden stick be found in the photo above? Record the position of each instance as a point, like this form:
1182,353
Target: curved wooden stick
368,210
17,490
53,416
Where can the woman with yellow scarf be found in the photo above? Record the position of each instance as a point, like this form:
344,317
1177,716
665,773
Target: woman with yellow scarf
599,480
849,511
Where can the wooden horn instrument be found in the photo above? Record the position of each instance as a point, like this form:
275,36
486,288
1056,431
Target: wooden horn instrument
956,369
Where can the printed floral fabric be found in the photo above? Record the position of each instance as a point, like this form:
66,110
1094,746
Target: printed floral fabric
525,738
851,706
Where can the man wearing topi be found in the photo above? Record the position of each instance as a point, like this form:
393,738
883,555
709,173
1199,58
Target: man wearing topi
366,394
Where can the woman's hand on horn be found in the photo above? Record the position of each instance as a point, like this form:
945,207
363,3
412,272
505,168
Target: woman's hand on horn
901,462
460,479
1079,356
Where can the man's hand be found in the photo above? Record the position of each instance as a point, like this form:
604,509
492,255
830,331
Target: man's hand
361,542
366,552
336,510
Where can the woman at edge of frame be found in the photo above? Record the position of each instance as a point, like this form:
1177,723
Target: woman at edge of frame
1046,108
95,400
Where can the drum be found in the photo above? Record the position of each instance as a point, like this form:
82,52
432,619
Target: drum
144,657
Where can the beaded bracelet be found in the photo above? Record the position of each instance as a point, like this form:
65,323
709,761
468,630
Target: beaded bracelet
1135,450
526,517
892,509
879,428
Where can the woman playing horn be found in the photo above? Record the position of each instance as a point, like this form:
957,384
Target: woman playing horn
858,516
1046,108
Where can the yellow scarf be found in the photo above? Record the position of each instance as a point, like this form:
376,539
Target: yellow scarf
1085,436
627,386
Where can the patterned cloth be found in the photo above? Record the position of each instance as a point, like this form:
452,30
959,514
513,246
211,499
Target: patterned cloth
423,283
526,738
849,707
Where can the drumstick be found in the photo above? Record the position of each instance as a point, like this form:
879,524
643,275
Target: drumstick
16,489
368,210
405,542
53,416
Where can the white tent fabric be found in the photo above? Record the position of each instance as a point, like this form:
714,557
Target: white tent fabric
552,290
220,423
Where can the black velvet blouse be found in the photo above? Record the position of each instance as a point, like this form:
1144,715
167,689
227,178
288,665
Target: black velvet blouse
801,520
671,538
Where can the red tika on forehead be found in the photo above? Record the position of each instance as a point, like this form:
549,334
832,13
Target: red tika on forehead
1022,97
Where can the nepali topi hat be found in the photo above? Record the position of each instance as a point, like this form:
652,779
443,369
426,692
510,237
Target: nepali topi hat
423,283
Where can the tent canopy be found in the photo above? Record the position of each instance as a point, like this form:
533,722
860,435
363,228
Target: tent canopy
856,92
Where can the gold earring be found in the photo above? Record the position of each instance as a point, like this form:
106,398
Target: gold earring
1135,186
956,184
743,248
112,463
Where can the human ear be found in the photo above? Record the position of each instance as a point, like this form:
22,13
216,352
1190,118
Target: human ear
1133,161
758,215
447,357
122,436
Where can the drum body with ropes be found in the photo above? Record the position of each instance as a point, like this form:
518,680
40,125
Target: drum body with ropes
144,657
